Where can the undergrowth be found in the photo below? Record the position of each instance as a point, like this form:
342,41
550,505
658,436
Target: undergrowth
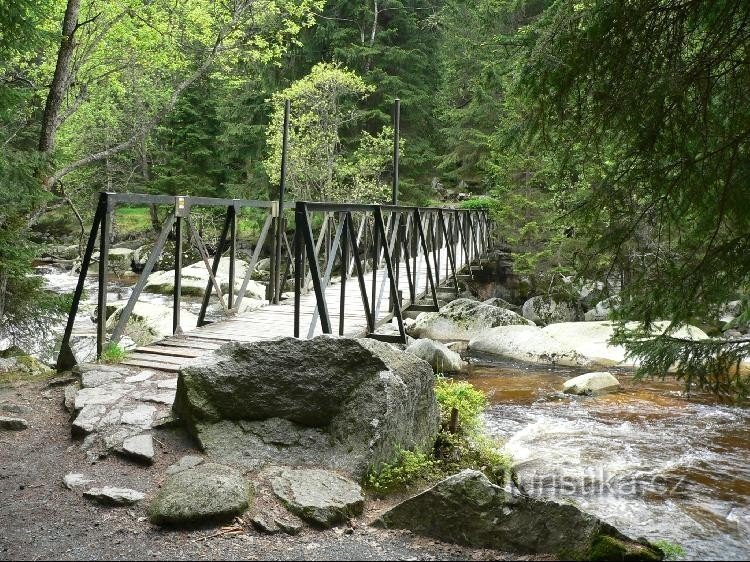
461,444
112,353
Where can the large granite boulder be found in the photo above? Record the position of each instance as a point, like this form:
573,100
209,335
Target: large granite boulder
574,344
462,319
343,403
207,493
468,509
438,355
527,343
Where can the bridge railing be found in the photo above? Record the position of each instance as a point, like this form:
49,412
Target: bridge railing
410,252
176,226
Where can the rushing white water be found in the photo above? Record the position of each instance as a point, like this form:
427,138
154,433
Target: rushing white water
646,459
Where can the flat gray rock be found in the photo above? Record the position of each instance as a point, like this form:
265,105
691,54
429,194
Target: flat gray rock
207,493
74,480
92,379
141,415
185,463
139,447
114,496
88,418
13,424
320,497
69,397
264,524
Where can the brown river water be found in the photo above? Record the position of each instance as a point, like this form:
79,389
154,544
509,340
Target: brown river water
648,459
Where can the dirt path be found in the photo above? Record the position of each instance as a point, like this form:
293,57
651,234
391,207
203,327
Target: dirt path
40,519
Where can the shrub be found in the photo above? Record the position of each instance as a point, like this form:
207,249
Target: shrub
671,550
409,466
461,395
112,353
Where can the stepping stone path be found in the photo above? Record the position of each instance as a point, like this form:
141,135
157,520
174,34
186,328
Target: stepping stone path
320,497
117,406
207,493
114,496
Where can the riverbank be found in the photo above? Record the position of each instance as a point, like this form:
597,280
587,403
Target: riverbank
40,519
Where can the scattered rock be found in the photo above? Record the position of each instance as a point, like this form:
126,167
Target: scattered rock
185,463
265,524
74,480
17,409
88,418
463,319
502,303
320,497
545,310
24,367
69,397
62,380
527,343
288,525
139,447
347,403
208,492
437,354
114,496
591,383
602,310
468,509
13,424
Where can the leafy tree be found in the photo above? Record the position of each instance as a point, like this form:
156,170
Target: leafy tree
323,103
642,110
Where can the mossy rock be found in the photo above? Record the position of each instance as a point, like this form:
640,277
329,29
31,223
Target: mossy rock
208,493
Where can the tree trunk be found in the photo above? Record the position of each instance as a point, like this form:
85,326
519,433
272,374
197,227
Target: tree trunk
61,79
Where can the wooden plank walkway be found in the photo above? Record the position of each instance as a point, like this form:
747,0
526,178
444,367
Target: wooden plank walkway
274,321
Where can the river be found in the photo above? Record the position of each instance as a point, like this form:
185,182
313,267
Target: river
647,459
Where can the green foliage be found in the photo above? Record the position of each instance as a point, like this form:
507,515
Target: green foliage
408,467
672,551
641,115
461,395
112,353
468,447
324,103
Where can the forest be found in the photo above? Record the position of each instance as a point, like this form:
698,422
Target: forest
610,139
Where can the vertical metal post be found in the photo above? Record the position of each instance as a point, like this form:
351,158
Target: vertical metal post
232,255
177,293
375,255
101,317
280,224
344,270
299,221
66,359
396,148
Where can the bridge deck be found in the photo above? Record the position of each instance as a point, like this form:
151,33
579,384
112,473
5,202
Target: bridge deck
275,321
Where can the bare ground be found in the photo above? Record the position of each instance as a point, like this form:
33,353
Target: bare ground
42,520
